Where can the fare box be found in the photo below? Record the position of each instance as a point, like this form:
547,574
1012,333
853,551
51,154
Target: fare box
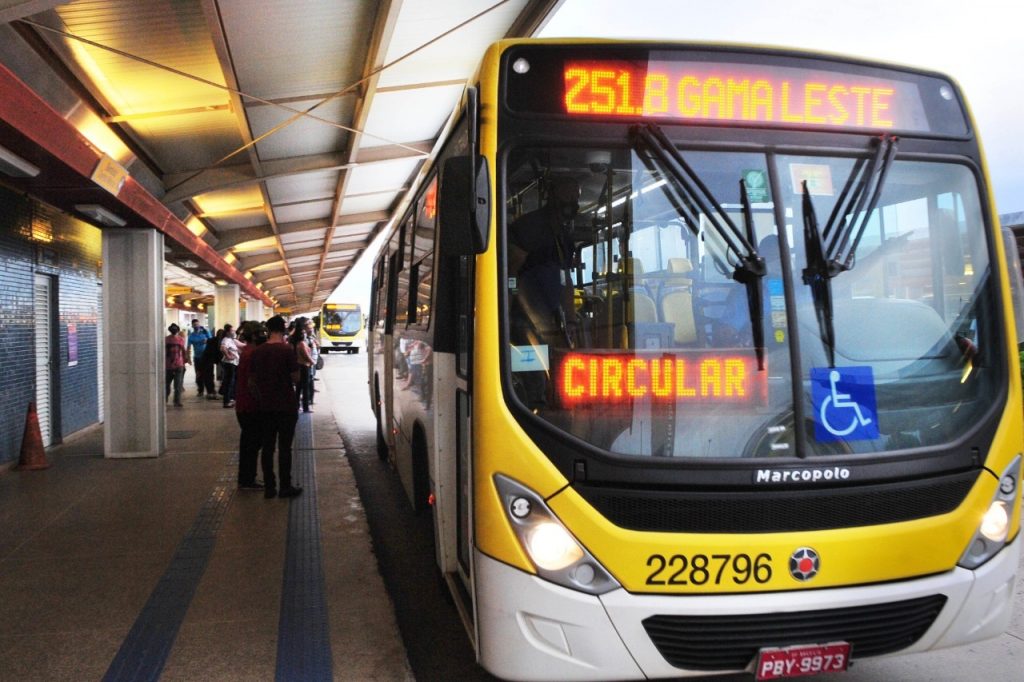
800,661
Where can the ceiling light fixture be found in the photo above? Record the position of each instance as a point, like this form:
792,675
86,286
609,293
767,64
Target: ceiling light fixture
15,166
101,215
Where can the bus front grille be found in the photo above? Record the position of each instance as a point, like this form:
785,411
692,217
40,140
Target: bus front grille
777,511
732,642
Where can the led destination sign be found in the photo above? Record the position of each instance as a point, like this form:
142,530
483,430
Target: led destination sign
696,378
741,93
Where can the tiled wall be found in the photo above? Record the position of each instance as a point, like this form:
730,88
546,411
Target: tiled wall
37,239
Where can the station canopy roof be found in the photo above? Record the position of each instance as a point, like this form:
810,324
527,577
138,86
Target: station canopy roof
281,133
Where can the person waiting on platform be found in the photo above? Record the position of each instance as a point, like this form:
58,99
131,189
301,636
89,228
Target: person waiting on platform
197,338
174,363
253,334
271,378
210,360
305,359
314,353
231,351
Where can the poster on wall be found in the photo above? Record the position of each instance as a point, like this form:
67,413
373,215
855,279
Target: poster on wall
72,344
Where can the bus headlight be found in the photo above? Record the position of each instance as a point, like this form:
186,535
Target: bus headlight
555,553
551,547
995,524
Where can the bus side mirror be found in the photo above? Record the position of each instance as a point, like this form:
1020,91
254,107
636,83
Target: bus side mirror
464,205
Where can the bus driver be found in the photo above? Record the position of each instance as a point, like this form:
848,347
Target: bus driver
540,259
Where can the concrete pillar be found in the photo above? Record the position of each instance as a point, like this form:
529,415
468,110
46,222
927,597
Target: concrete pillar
211,319
254,310
133,343
225,298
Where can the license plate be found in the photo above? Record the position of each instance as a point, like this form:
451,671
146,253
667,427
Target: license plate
798,661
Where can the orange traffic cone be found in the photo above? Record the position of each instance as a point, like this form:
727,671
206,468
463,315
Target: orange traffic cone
32,454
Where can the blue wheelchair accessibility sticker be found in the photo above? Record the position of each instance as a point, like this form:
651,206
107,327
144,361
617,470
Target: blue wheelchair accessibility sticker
844,403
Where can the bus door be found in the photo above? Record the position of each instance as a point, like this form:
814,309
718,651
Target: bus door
463,413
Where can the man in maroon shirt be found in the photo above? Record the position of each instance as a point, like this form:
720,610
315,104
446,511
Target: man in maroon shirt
253,334
273,373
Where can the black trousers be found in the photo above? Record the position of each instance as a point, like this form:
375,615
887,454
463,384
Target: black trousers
248,446
277,428
229,381
175,377
208,377
197,365
305,387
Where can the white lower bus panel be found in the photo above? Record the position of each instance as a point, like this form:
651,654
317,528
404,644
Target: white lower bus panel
530,629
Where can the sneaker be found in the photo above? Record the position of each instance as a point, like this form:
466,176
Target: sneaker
178,405
212,397
269,493
230,403
252,485
290,491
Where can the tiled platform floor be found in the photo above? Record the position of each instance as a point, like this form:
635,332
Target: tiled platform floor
84,543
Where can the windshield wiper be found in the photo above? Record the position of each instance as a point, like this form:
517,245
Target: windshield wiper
818,276
692,199
752,281
855,205
833,250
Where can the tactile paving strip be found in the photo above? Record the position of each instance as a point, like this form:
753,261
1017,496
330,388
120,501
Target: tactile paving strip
303,633
144,652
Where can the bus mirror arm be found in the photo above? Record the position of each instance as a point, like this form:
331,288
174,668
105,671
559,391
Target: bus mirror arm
465,205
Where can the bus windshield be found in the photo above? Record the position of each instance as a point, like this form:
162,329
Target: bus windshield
660,310
339,322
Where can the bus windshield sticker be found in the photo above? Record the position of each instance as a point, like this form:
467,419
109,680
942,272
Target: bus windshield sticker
530,358
844,403
818,177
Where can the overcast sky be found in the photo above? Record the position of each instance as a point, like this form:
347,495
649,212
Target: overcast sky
980,43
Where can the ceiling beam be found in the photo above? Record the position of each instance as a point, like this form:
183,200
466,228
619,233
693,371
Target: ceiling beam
532,18
376,54
16,9
188,184
211,10
271,258
229,239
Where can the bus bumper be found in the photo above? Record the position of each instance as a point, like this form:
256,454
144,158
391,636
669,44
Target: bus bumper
530,629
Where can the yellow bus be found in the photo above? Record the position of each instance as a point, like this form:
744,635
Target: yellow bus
342,327
702,360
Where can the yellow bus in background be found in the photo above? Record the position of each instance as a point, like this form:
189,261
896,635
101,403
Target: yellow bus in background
342,327
702,359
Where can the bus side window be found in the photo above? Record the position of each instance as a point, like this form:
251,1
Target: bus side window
382,294
402,277
423,256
